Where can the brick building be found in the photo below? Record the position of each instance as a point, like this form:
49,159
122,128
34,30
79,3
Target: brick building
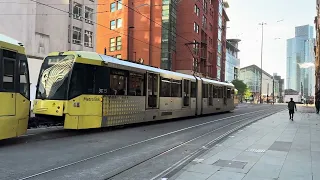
185,35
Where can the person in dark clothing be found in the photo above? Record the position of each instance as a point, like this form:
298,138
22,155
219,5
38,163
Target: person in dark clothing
317,102
291,107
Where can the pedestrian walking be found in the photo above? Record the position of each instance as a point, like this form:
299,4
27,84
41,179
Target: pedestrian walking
291,107
317,103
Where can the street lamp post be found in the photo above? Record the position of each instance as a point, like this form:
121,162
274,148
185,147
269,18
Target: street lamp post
262,24
272,89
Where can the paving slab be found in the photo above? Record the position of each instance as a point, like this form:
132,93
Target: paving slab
273,148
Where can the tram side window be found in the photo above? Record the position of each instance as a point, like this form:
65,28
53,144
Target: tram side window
24,79
165,87
8,75
118,84
204,90
176,88
215,91
193,89
220,95
210,94
101,80
82,80
228,93
136,83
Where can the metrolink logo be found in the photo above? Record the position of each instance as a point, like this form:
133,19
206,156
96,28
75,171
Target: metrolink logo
91,99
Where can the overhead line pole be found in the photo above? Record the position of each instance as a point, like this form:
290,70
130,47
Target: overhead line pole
262,24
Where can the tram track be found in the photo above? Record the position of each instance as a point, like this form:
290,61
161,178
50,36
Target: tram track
118,171
57,132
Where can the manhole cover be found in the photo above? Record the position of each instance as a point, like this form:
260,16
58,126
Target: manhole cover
231,164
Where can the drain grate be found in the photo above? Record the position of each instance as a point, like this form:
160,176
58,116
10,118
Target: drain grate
256,150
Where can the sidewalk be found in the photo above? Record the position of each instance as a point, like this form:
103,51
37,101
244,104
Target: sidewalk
274,148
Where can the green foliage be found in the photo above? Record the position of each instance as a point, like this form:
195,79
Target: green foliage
247,93
240,86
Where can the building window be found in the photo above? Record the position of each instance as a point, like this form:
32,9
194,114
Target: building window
220,7
219,47
88,38
218,60
119,43
112,44
77,11
220,22
218,73
204,22
196,28
205,7
196,10
76,38
88,15
113,24
119,23
119,4
194,64
219,34
116,6
195,47
118,56
113,7
211,27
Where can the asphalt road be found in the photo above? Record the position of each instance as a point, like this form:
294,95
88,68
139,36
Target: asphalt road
136,152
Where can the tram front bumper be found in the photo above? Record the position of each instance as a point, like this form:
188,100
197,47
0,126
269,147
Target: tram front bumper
48,107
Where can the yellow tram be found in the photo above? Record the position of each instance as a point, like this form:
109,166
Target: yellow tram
87,90
14,88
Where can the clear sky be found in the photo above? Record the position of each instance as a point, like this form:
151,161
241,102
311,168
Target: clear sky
245,15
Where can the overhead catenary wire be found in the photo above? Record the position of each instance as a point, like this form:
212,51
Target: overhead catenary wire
44,4
67,12
177,35
7,2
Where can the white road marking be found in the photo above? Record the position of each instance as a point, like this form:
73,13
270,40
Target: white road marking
140,142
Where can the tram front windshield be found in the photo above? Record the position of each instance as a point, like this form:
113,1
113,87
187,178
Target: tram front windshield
53,77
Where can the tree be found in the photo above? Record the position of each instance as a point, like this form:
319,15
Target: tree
240,86
247,94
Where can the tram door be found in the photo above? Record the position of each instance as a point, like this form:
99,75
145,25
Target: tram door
8,62
186,93
225,99
152,90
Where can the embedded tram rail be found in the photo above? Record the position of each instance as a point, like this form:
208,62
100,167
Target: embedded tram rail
210,133
49,132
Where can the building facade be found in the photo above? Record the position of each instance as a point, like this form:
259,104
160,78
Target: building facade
166,34
43,29
251,75
232,60
317,50
300,51
281,86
